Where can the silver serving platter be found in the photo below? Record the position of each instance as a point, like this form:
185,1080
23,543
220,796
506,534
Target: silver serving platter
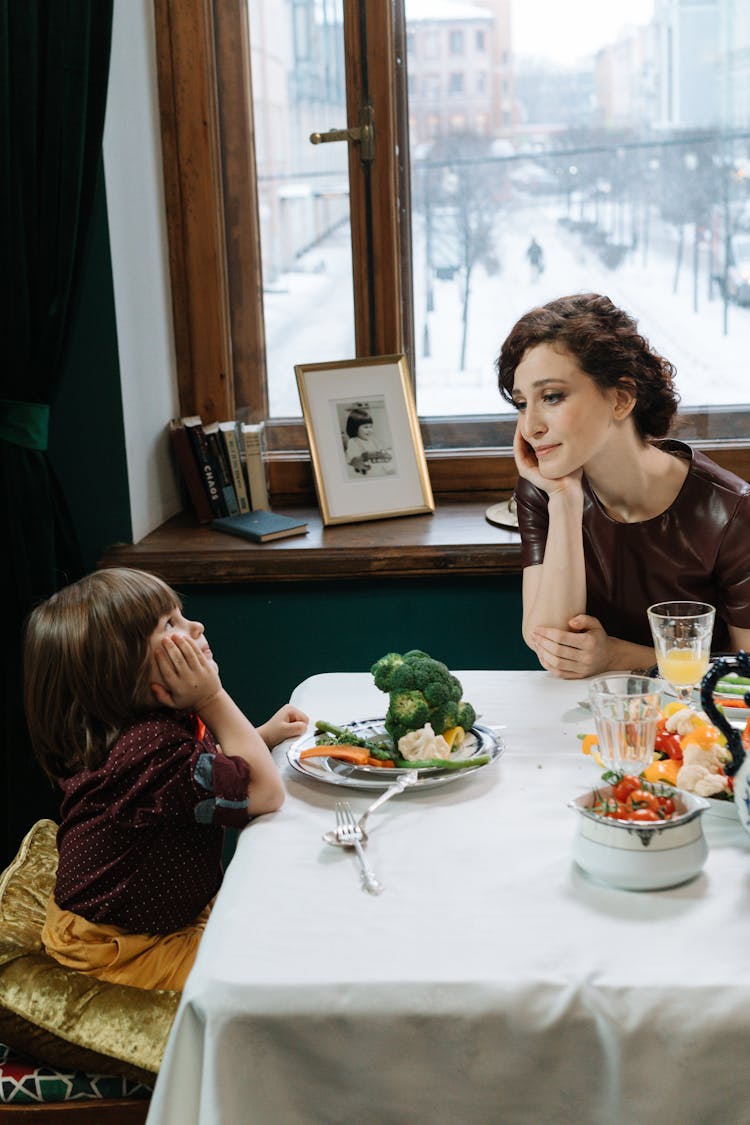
335,772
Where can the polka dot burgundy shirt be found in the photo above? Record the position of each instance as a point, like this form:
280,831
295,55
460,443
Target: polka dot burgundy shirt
140,838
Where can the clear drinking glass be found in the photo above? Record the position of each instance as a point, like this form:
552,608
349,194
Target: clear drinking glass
626,710
682,634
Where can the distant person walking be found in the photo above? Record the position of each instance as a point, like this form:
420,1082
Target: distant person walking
535,254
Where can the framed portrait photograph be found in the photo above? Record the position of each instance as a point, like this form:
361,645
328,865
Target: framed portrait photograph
365,444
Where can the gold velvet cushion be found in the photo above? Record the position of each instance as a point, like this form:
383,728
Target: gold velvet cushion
59,1015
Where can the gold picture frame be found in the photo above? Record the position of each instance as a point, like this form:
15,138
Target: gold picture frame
365,443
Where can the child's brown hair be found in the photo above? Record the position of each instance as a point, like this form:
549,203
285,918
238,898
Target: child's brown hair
86,663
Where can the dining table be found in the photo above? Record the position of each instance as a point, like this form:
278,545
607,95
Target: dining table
492,980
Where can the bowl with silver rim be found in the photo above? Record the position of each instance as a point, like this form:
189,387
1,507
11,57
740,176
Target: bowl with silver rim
640,856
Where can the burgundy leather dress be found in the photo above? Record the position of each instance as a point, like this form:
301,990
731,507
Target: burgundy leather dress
697,550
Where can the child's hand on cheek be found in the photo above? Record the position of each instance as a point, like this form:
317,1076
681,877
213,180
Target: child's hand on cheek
288,722
189,679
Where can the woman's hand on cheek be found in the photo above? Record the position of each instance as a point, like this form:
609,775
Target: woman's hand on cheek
572,655
526,461
189,679
528,467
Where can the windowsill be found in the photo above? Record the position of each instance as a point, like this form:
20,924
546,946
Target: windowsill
456,540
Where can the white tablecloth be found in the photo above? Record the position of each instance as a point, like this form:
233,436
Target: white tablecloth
492,981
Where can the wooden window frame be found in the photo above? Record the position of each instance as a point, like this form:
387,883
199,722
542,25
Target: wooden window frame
203,65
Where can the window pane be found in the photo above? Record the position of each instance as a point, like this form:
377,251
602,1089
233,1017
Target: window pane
298,89
608,151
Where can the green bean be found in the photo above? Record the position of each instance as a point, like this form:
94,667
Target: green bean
730,687
442,763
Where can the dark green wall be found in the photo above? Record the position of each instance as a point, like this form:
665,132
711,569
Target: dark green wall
266,638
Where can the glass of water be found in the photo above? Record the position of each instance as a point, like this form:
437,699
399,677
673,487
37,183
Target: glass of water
626,711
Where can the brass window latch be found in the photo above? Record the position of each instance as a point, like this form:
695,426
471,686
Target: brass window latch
363,134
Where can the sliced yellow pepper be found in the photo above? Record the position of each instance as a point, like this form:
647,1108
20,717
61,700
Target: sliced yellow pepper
672,707
663,771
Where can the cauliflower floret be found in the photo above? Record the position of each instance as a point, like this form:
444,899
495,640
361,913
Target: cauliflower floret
682,722
711,758
423,744
697,779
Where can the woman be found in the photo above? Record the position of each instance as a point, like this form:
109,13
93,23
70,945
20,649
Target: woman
612,521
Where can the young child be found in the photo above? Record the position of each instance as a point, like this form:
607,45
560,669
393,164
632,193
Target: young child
127,713
362,451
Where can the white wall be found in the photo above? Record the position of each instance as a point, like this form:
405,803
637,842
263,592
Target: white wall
140,265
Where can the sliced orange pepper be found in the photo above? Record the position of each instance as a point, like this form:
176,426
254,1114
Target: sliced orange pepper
357,755
663,771
589,742
703,736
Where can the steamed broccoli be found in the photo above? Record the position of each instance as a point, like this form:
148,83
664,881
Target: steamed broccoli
408,710
467,716
422,690
384,668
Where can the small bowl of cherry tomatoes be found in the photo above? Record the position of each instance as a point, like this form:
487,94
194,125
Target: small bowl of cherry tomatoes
639,836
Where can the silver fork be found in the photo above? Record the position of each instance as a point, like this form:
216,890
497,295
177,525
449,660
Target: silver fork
349,833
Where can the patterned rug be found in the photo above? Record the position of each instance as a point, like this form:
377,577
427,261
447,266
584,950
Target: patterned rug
23,1081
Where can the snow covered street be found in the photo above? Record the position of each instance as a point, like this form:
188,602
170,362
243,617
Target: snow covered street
309,315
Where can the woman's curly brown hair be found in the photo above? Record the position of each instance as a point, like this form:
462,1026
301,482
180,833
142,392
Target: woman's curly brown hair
606,344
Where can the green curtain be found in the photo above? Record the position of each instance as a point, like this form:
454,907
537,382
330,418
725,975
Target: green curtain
54,64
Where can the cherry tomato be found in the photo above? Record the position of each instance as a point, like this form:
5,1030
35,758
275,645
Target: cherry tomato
620,812
644,814
627,785
642,799
666,806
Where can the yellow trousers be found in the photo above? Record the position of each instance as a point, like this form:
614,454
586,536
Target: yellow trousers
110,953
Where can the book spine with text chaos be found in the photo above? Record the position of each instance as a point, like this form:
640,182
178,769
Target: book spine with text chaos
228,434
252,436
194,428
189,472
223,472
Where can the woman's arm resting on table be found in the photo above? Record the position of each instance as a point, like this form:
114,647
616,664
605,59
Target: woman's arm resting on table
584,649
740,639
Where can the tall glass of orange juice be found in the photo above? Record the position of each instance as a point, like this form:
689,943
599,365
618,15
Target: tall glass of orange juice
682,634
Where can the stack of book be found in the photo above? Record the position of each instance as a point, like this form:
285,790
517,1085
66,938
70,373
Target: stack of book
222,465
